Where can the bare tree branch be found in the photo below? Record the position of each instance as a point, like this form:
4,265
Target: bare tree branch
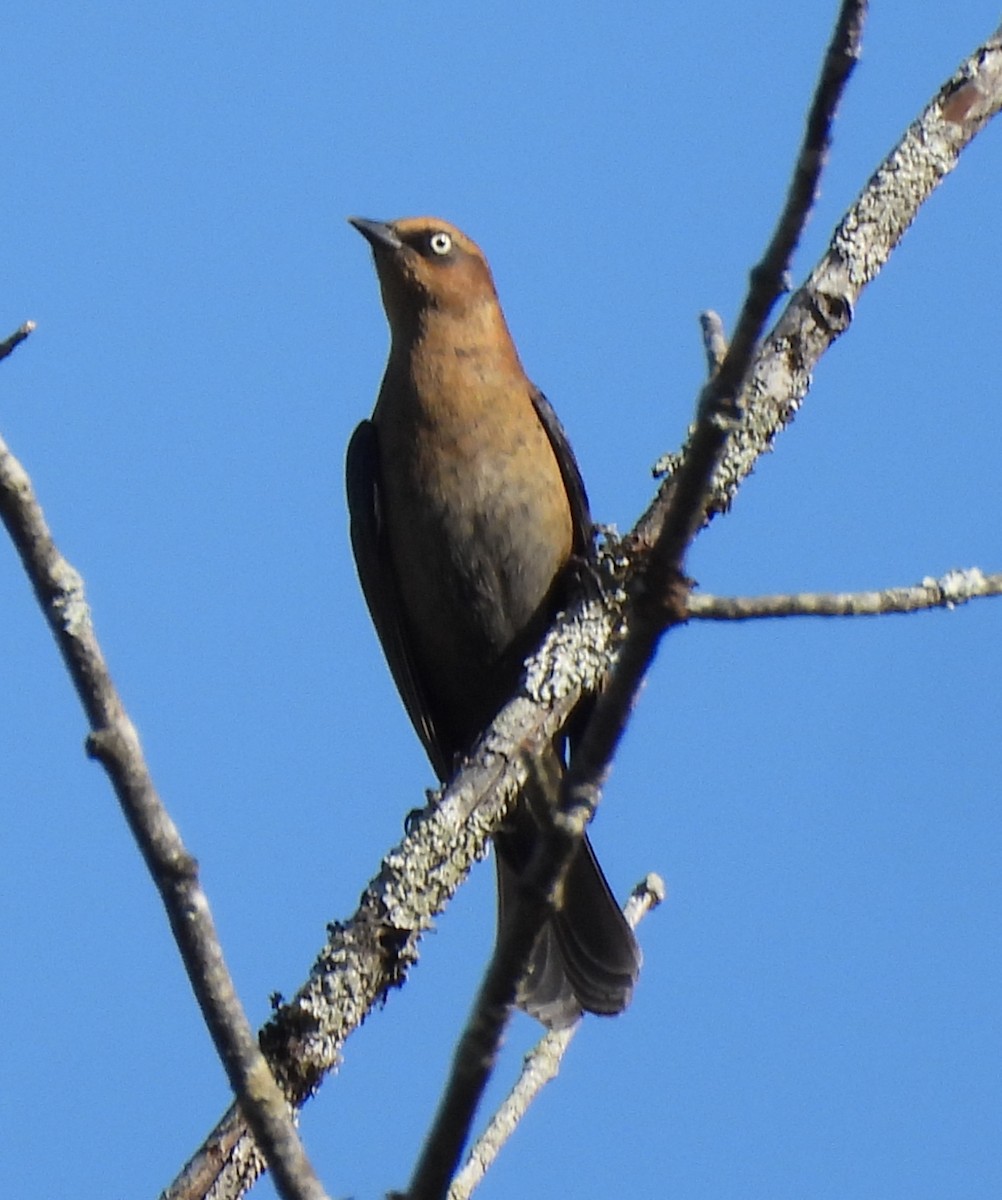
371,953
114,742
954,588
660,591
476,1053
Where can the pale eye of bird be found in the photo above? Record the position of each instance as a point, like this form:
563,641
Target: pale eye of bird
440,242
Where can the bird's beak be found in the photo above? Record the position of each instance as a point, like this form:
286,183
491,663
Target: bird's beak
379,234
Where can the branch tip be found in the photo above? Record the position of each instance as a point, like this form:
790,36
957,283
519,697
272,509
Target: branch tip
10,344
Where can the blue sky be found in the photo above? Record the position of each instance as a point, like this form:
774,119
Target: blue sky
819,1010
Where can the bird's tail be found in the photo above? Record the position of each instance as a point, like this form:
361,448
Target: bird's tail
586,957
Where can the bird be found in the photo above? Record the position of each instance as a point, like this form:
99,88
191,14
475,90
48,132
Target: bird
467,513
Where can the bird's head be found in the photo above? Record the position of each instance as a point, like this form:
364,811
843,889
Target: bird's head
425,264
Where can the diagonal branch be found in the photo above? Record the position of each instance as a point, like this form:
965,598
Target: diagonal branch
114,742
822,308
365,958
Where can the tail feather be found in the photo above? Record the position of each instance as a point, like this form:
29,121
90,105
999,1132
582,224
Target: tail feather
600,954
586,957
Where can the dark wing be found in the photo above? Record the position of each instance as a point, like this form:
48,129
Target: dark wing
576,494
380,585
586,956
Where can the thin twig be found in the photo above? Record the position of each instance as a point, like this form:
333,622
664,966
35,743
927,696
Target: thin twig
661,593
10,344
540,1066
476,1052
951,590
114,742
684,501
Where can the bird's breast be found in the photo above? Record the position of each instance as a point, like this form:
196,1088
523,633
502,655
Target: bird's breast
478,523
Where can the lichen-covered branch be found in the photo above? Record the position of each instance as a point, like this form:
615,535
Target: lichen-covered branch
370,954
822,308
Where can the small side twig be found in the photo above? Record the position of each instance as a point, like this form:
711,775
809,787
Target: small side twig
540,1066
714,340
952,589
